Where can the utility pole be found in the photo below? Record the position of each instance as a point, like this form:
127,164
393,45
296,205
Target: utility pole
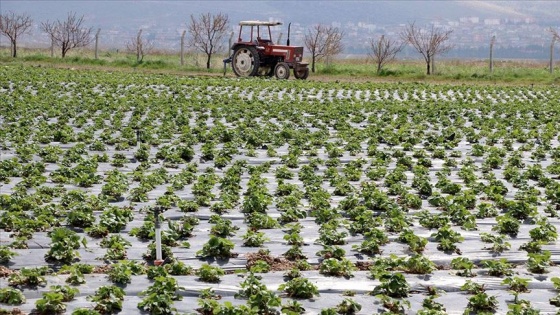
183,48
492,41
279,39
97,43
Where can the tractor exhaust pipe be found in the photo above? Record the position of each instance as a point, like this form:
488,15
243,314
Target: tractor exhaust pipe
288,40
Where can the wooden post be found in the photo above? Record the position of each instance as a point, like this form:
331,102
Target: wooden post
97,43
139,45
492,41
183,48
52,47
551,64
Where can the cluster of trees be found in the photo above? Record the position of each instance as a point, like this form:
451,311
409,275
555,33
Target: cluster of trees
207,33
66,34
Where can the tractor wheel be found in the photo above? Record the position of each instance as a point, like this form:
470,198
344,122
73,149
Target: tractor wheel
266,71
282,71
245,61
302,73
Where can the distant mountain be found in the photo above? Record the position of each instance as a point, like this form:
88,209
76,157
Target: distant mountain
515,23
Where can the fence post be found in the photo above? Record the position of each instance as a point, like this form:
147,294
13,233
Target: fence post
52,47
183,48
97,43
551,64
492,41
139,45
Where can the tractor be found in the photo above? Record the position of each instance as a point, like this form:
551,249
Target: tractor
254,55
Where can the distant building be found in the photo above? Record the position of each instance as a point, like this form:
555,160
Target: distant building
471,20
491,21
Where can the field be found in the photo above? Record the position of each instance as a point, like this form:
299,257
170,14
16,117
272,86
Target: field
299,197
349,68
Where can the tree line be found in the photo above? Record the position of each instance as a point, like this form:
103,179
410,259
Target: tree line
208,31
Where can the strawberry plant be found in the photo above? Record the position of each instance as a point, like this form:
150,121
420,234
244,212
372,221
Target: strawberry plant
507,225
447,238
299,288
67,292
254,238
107,299
51,303
337,268
394,306
416,243
64,243
11,296
160,296
217,247
498,268
209,273
516,285
464,264
6,254
472,287
348,307
482,302
419,264
122,272
29,277
539,262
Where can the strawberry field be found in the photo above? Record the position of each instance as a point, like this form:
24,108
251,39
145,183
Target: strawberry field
275,196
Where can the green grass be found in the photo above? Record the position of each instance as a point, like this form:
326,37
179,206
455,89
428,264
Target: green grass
520,72
449,71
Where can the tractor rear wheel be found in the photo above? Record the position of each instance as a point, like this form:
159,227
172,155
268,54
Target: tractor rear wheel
282,71
301,73
245,61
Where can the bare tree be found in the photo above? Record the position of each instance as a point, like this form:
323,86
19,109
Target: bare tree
207,33
323,42
68,34
13,25
383,51
428,42
140,46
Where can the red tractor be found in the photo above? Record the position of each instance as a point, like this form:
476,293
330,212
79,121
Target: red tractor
254,55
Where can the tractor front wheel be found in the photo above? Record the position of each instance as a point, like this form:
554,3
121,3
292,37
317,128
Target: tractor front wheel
266,71
282,71
245,61
301,73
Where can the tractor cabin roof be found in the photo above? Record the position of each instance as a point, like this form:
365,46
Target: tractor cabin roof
259,23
